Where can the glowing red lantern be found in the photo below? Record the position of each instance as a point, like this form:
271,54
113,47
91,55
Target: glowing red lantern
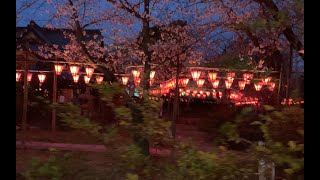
184,82
290,101
89,71
215,84
200,82
201,92
258,86
188,91
152,73
58,68
208,93
137,82
247,77
204,96
195,75
228,84
271,86
171,84
99,79
242,85
195,92
124,80
76,78
212,76
135,74
18,76
233,95
220,94
41,77
230,79
198,95
29,77
214,94
266,80
87,79
74,70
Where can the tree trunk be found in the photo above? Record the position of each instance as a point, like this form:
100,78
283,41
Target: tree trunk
140,141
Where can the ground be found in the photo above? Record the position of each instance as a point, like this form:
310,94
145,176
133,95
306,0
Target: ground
184,132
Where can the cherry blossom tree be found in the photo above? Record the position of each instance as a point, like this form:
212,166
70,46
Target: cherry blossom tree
173,34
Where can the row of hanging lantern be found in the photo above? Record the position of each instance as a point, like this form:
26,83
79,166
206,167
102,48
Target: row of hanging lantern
75,72
58,70
136,78
247,77
234,96
41,77
213,79
291,102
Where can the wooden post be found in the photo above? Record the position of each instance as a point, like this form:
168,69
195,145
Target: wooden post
54,100
25,101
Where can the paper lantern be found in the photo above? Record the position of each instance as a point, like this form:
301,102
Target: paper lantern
184,82
271,86
247,77
137,82
266,80
242,85
86,79
200,82
76,78
58,69
152,73
195,75
29,77
212,76
74,70
228,84
89,71
41,77
214,94
258,86
208,93
230,79
99,79
18,76
215,84
124,80
135,74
